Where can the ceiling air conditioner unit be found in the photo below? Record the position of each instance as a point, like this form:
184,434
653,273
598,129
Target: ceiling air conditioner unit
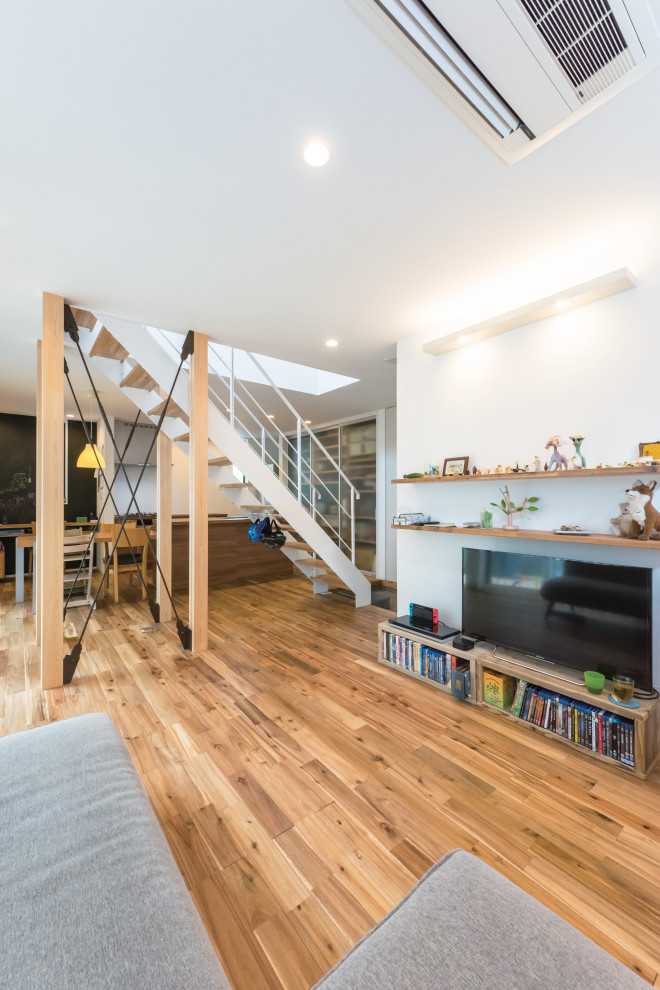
521,71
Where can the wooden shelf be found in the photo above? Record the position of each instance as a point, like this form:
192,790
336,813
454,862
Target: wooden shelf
418,677
435,479
599,539
570,742
558,679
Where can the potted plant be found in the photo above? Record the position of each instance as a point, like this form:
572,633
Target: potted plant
509,509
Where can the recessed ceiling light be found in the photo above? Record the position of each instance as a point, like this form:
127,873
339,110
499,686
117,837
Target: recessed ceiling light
316,154
463,340
271,415
563,303
331,343
307,422
70,416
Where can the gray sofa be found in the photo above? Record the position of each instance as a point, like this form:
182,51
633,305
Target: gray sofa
92,898
90,894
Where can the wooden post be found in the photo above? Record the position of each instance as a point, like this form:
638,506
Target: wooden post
164,523
50,497
199,514
36,562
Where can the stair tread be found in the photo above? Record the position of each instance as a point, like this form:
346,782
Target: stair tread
257,507
182,438
297,545
84,318
313,563
139,378
173,410
219,462
331,580
234,484
287,528
106,346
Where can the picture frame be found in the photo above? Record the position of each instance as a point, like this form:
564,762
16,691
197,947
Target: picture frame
455,466
650,450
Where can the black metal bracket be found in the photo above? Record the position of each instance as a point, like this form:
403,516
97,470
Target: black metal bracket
70,662
185,634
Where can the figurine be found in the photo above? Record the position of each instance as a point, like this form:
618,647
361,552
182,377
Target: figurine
507,469
558,461
545,466
622,524
474,471
537,463
578,458
498,469
517,469
645,516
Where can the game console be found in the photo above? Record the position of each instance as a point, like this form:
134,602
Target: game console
423,617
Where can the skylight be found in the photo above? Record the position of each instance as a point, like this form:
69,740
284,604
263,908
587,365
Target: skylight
285,374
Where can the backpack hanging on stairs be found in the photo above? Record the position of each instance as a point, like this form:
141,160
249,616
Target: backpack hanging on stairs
275,538
258,529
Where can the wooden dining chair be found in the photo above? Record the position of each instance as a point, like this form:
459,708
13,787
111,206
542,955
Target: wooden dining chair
77,578
121,561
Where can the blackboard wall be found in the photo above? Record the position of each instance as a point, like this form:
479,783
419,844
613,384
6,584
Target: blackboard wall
18,454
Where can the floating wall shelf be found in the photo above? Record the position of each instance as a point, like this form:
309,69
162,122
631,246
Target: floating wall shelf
600,539
579,295
435,479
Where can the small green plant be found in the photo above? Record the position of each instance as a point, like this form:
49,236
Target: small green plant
510,509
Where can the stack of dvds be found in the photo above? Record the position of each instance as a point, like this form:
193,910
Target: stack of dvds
587,725
420,659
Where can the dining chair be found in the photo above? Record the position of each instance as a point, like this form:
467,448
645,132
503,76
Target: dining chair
77,578
121,561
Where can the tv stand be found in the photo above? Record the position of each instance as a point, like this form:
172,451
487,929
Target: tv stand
560,681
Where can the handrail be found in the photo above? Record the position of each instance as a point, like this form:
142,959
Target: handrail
281,433
280,441
302,422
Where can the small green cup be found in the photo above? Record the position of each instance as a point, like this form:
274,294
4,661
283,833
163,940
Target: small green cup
595,682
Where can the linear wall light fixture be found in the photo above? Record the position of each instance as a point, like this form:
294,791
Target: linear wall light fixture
437,45
580,295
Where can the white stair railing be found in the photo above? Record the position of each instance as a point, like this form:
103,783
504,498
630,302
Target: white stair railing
316,479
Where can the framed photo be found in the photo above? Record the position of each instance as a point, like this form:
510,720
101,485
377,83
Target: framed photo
650,450
455,465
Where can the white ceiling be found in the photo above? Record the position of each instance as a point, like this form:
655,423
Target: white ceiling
151,168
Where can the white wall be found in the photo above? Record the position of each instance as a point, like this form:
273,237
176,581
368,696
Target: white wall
592,371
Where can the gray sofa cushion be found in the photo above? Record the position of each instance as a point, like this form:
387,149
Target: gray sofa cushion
90,894
464,927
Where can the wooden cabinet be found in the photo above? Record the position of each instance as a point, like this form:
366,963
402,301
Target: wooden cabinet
644,733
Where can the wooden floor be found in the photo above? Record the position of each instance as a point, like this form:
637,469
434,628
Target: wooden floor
304,788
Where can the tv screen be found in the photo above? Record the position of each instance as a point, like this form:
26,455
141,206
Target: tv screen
582,615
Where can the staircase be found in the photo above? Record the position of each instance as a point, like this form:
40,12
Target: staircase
312,500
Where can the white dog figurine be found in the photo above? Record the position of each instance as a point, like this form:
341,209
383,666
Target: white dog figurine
622,524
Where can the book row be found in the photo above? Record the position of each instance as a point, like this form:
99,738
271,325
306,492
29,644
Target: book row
423,660
587,725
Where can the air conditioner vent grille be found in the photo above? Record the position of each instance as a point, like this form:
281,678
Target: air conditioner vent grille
586,40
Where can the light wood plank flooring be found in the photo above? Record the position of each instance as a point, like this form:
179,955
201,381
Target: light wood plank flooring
304,788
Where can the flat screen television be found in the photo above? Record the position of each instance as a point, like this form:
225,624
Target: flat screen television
583,615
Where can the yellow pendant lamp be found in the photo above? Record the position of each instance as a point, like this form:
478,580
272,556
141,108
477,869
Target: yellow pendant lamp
91,456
